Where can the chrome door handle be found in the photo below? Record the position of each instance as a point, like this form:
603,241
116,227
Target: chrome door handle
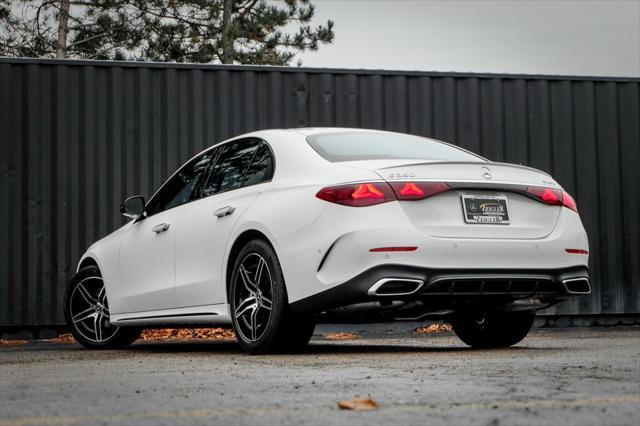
224,211
160,228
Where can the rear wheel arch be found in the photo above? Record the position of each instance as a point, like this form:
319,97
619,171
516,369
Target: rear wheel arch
238,244
88,261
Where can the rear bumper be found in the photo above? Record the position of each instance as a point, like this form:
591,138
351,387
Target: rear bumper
439,289
336,248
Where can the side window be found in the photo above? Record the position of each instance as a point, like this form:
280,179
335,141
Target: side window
179,187
261,168
230,168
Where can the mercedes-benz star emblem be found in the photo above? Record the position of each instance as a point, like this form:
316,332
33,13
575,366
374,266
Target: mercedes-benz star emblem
485,172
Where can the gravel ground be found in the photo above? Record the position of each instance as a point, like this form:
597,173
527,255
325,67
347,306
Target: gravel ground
560,376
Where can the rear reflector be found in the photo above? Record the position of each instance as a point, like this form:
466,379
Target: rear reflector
553,197
381,249
576,251
358,195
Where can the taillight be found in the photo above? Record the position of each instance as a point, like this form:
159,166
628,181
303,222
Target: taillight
546,195
358,195
553,196
418,190
569,202
368,194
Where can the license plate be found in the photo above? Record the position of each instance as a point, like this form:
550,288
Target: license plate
485,209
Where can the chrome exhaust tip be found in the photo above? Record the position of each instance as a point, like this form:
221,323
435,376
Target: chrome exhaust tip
395,287
577,285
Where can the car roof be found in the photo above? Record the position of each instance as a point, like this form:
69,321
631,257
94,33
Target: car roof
308,131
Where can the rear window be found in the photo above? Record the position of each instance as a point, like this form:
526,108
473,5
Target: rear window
353,146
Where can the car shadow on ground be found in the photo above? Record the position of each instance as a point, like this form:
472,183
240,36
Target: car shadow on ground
319,347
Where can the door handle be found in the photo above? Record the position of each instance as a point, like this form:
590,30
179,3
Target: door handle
160,228
224,211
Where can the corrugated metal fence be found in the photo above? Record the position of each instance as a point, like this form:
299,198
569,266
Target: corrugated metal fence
77,137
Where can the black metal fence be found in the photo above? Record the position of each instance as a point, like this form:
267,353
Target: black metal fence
76,137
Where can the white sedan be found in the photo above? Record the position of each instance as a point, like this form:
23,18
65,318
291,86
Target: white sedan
269,229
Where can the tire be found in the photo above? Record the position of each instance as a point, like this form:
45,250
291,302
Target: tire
259,310
86,311
298,331
493,329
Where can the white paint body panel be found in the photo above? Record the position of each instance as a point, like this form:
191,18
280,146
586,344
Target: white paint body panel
200,245
183,271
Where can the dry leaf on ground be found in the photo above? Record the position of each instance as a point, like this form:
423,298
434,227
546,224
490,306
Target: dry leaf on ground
11,342
358,404
340,336
188,333
170,334
64,338
434,328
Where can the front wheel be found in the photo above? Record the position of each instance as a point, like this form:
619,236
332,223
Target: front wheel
87,313
492,329
260,311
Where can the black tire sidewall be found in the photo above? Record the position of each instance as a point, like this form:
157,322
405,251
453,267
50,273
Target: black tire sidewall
503,329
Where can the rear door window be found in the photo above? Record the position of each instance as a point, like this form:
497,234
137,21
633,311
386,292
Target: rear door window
231,167
261,168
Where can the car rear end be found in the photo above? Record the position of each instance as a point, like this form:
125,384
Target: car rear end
444,234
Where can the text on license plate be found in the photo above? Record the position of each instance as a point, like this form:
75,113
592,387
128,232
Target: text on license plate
485,209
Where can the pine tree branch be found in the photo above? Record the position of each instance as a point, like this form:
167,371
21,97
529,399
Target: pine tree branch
247,8
88,39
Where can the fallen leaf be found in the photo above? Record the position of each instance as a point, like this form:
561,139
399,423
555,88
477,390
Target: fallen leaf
434,328
63,338
340,336
170,334
358,404
188,333
12,342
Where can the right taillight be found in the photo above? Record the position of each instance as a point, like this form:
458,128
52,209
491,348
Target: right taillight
552,196
569,202
358,195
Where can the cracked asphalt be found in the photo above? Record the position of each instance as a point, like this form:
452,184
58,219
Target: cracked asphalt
581,376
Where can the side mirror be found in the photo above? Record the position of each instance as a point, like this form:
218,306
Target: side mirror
133,207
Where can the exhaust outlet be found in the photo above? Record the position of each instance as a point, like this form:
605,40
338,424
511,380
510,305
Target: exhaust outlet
577,286
395,287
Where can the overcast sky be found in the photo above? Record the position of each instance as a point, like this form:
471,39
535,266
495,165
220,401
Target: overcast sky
580,37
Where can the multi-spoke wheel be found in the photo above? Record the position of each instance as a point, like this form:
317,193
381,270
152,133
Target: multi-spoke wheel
253,297
259,309
87,313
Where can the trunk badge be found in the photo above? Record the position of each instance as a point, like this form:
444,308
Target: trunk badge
485,172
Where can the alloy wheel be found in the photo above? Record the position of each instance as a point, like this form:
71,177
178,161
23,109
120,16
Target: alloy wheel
89,310
253,297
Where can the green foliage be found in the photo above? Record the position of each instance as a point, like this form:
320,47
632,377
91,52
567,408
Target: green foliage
248,32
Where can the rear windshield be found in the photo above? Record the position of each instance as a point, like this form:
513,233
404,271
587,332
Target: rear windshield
353,146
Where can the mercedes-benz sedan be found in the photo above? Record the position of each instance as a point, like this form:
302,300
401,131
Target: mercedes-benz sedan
269,229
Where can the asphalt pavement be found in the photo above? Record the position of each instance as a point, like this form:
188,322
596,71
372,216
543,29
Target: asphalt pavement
580,376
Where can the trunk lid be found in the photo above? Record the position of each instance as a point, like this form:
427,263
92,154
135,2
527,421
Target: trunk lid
443,215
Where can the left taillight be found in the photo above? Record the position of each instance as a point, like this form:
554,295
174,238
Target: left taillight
368,194
358,194
553,196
